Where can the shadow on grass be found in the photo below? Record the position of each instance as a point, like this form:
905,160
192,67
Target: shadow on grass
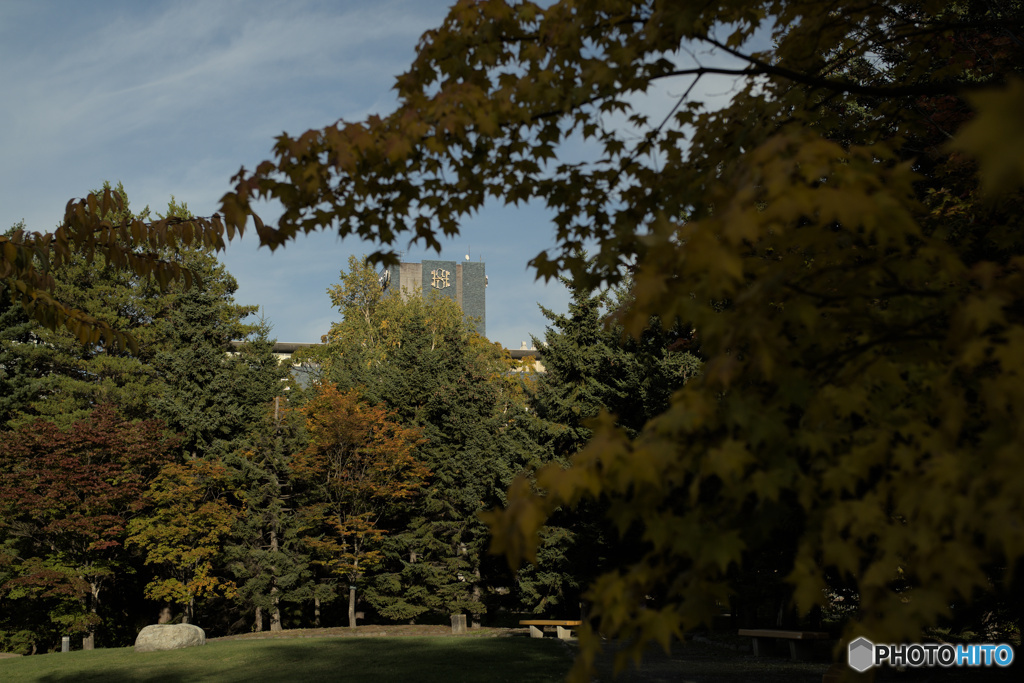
700,663
706,663
430,660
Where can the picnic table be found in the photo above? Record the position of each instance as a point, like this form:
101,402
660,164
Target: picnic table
563,627
794,638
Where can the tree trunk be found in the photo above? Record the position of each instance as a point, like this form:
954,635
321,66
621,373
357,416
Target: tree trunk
475,620
259,619
89,639
316,611
275,613
275,610
412,560
352,588
351,606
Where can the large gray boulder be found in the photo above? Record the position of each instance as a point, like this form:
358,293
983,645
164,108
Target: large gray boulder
169,637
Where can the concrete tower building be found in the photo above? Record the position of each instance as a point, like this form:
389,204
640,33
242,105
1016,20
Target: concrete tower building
465,283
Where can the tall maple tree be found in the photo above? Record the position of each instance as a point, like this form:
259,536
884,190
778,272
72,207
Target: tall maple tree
361,463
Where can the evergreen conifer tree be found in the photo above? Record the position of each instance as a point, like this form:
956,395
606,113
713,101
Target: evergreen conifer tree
267,552
179,372
591,367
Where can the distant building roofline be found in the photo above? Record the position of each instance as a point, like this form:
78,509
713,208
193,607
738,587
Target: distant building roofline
530,359
292,347
519,354
279,347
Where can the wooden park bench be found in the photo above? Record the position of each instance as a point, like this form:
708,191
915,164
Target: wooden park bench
563,627
794,637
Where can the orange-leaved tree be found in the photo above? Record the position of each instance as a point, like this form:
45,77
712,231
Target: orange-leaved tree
361,464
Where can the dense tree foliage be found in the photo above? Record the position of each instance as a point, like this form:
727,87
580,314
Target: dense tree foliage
64,378
591,366
67,500
179,372
373,477
419,357
96,228
183,533
17,369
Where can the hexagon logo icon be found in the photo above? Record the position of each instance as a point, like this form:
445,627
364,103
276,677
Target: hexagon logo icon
861,655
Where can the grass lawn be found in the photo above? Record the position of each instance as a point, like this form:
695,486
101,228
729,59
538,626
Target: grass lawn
440,659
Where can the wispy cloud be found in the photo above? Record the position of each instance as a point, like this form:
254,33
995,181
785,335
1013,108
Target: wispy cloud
173,97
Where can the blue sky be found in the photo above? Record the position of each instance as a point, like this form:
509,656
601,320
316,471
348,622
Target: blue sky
172,98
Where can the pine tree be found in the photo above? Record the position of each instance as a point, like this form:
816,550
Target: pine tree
202,395
591,367
70,377
19,370
268,552
179,372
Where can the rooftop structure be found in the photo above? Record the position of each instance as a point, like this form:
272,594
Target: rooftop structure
465,283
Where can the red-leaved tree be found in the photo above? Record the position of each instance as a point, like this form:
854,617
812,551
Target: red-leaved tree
66,499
